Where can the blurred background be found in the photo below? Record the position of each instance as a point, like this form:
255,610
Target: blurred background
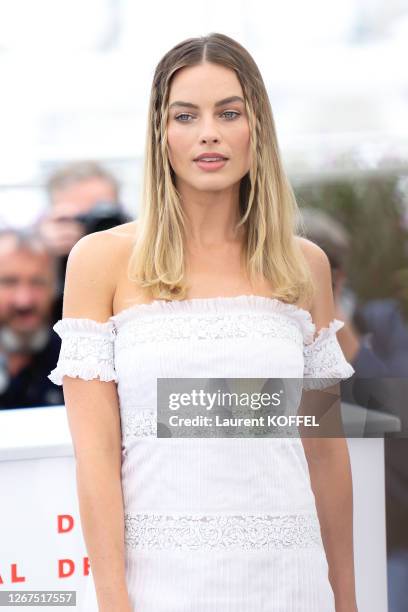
334,73
76,78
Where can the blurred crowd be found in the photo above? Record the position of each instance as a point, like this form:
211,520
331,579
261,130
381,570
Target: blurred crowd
374,340
84,197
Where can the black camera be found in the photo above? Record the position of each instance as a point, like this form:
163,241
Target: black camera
102,216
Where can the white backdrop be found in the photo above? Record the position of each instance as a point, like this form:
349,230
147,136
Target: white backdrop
76,77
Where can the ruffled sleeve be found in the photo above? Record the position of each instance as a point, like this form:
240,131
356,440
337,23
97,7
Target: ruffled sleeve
87,350
324,361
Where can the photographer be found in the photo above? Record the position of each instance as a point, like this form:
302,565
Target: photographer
84,198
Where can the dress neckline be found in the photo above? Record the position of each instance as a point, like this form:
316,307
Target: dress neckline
219,305
162,305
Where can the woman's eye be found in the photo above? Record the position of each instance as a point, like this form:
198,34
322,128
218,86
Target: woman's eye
183,117
230,114
186,117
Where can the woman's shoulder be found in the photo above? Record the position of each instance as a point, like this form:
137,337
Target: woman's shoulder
94,267
106,245
315,257
123,231
322,308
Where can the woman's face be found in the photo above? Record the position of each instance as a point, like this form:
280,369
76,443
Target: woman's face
208,130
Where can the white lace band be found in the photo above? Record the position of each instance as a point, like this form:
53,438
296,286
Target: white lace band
221,532
324,360
87,350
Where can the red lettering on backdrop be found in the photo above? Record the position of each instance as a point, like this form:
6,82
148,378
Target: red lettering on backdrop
87,566
68,520
69,572
65,572
14,577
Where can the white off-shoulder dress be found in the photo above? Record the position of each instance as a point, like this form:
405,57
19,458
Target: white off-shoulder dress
211,524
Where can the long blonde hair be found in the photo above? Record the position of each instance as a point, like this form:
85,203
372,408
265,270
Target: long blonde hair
267,203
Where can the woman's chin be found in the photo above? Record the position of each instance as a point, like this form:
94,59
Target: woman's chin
213,183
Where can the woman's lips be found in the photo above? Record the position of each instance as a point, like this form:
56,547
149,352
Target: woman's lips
210,166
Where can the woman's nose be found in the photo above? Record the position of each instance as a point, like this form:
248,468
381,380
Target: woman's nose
209,133
207,139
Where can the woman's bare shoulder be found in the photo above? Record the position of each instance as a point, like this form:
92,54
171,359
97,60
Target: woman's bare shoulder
125,230
320,268
104,247
94,266
314,255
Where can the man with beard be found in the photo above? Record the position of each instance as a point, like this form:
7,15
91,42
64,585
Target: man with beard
28,345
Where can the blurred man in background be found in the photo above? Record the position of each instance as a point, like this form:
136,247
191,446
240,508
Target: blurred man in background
28,345
375,341
84,198
333,238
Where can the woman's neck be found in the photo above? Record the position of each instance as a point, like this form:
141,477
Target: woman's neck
211,218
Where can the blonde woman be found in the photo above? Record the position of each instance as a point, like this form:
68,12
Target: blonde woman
211,281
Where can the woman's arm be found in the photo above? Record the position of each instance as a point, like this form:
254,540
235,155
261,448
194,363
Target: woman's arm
94,421
328,457
330,476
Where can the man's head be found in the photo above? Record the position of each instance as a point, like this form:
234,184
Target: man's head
81,185
84,198
27,287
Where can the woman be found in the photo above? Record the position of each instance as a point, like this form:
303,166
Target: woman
210,282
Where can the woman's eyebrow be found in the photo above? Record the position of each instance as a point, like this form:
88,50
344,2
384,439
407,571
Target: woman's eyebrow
219,103
229,100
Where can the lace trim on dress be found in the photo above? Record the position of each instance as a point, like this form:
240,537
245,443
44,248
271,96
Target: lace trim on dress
324,360
138,423
87,350
208,327
206,532
214,318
